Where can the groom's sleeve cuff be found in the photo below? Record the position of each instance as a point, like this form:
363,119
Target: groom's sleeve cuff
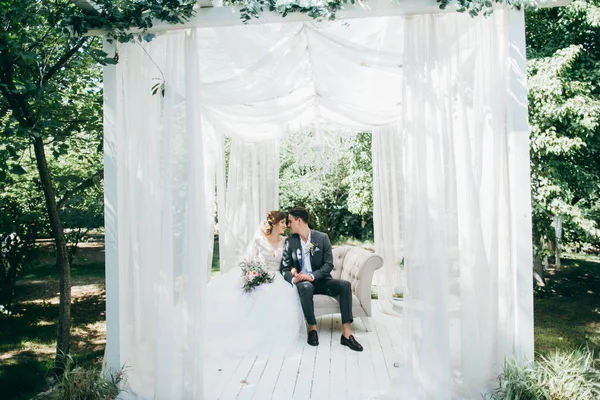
312,276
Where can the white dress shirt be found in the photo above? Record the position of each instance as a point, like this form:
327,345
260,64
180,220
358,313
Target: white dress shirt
307,267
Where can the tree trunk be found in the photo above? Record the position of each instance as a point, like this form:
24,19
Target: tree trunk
62,257
558,238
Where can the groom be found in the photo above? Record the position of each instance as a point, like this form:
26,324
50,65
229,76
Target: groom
309,252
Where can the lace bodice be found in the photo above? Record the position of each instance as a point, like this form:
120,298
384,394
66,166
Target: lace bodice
264,251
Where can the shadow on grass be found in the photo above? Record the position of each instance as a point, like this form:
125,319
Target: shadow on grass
567,312
34,323
25,378
28,336
50,271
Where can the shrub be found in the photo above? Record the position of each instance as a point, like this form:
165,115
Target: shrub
559,376
84,383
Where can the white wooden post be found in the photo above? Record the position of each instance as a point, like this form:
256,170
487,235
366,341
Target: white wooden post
112,356
520,186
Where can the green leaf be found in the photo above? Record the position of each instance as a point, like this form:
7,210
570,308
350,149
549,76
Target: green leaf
17,169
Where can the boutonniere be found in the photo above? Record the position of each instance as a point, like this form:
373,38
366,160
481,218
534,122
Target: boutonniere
313,248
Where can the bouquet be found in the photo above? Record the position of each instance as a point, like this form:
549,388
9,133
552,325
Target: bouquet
254,274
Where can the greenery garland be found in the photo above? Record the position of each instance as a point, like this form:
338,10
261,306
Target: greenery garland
328,9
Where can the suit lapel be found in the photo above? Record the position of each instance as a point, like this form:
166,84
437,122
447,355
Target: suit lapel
299,248
311,254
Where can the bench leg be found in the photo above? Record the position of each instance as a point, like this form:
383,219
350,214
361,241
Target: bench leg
367,323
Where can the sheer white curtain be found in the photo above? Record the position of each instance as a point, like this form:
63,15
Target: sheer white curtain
252,190
455,208
388,153
164,219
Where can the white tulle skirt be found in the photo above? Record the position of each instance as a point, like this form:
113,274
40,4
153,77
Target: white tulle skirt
266,321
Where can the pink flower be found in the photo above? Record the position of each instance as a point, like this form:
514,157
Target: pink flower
254,273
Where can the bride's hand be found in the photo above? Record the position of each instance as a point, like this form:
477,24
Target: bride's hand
294,272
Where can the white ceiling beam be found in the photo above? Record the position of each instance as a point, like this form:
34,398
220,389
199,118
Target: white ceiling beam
85,5
207,3
230,16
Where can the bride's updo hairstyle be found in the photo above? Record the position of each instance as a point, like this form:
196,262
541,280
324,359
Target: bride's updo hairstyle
273,218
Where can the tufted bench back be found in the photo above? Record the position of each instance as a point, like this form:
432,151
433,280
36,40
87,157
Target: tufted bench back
339,254
350,264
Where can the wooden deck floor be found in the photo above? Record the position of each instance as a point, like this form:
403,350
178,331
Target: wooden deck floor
329,371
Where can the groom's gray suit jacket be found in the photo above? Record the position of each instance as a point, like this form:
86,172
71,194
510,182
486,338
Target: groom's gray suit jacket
321,259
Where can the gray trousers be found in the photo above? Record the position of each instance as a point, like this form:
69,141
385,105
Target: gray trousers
330,287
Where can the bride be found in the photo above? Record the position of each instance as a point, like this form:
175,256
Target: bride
265,320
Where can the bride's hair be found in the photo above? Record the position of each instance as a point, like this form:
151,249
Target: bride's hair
273,218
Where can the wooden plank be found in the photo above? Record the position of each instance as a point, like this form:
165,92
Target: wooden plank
235,383
253,380
382,372
216,375
286,382
304,379
320,385
354,380
384,340
268,381
337,370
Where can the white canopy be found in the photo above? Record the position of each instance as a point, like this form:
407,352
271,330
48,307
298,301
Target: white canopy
444,96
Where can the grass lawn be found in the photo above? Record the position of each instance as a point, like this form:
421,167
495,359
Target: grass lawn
567,315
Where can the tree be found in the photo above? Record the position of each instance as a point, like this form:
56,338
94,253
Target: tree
49,87
564,114
330,174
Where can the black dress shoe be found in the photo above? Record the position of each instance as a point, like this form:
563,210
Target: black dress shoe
351,342
313,338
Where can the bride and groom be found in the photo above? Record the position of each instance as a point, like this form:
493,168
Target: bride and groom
272,316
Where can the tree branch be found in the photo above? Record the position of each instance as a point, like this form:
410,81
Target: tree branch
17,101
63,60
86,183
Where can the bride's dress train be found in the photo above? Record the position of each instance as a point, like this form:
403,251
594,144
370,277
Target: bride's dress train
267,320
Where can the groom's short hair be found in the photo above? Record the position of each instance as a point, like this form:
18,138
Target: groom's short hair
299,212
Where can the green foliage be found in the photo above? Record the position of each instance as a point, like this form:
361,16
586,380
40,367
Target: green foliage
475,7
327,10
317,171
360,175
560,375
84,383
117,18
564,113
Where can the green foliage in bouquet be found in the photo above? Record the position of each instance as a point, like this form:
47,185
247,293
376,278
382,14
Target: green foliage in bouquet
254,274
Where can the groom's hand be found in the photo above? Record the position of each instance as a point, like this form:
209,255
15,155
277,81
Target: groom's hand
302,277
306,277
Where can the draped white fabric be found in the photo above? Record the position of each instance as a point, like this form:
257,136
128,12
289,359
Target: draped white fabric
163,220
432,89
388,206
252,190
454,190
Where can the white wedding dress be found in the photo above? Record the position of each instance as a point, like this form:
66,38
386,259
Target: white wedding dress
266,321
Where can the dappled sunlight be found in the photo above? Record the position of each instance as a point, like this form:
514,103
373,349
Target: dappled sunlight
29,350
89,337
